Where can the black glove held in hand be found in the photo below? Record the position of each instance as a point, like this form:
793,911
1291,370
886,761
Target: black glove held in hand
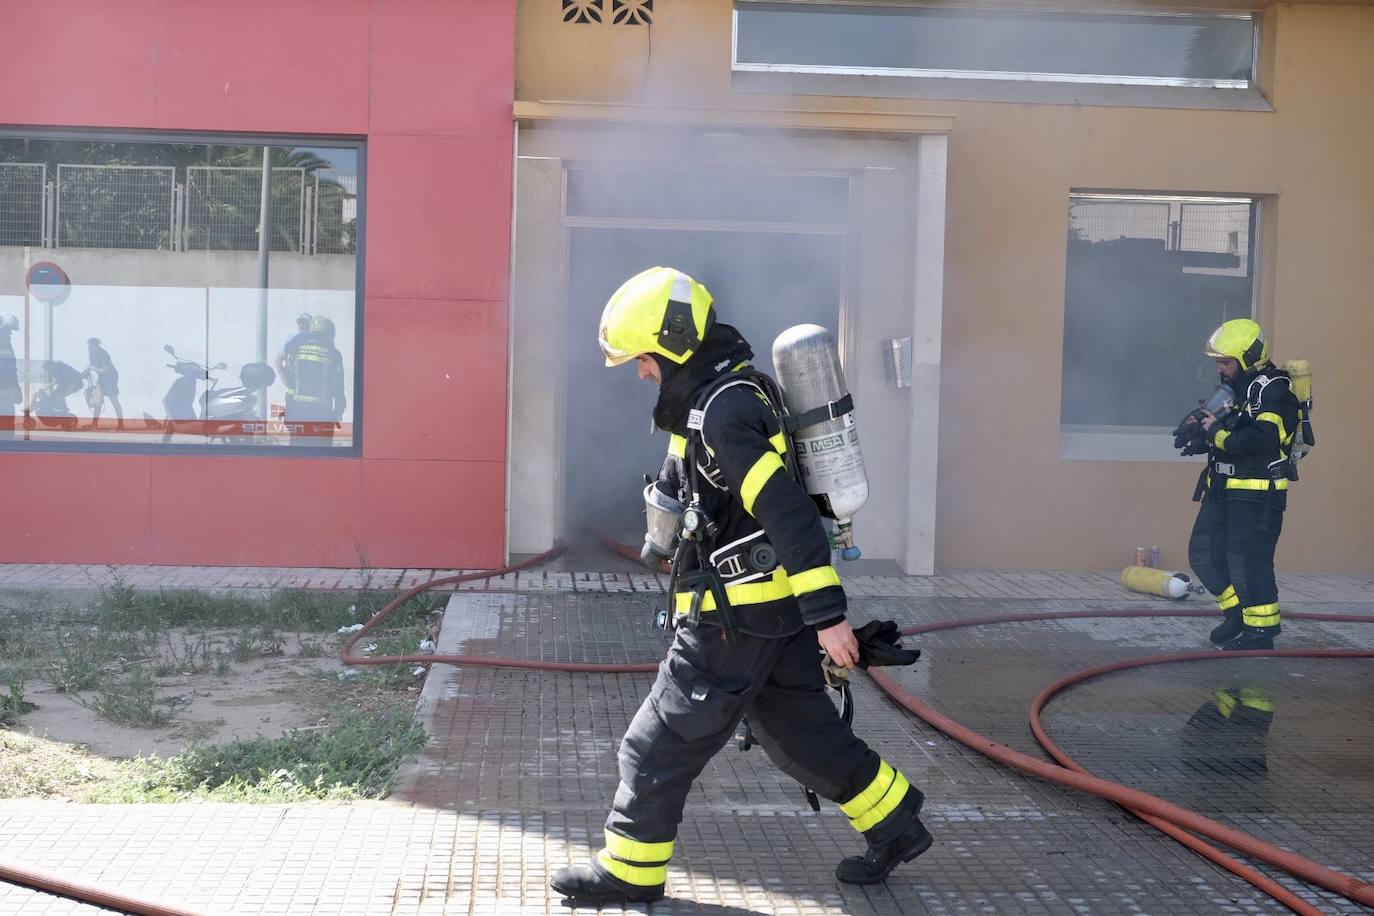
880,644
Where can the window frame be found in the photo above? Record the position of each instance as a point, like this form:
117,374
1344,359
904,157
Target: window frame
1005,76
358,144
1101,442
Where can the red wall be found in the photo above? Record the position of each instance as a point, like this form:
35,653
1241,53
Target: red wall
429,83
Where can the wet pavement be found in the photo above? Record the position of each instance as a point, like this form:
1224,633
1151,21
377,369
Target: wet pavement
517,777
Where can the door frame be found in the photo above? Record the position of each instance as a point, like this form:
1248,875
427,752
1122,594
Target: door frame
897,191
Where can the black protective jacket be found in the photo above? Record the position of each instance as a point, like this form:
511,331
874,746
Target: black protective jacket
744,486
1249,458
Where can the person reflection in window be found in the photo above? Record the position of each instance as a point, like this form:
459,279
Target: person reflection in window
106,376
315,396
302,332
9,376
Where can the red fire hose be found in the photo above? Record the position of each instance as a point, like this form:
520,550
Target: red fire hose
1167,816
1156,811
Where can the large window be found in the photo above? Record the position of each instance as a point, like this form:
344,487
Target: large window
1148,279
1154,49
175,293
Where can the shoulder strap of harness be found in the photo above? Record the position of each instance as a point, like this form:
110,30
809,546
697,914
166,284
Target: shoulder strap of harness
761,381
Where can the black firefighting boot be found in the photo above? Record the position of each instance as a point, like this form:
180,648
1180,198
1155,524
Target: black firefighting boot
1253,638
1228,629
591,885
878,860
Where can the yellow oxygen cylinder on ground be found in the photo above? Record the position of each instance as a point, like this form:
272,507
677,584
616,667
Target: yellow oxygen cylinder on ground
1159,582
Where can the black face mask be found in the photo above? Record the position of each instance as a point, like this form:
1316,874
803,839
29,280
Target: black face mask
722,349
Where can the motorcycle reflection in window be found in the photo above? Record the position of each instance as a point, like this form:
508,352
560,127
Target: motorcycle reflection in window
226,414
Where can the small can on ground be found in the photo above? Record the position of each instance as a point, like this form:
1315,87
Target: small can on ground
1142,557
1154,557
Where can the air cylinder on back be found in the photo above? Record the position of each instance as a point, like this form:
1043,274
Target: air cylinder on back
807,362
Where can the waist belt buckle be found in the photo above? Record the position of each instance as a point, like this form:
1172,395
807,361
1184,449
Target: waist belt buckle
1226,470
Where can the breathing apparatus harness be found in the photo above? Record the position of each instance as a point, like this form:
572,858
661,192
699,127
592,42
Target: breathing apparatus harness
1191,439
698,532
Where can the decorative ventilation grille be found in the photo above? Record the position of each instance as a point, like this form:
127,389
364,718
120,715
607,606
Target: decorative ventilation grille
632,12
623,12
581,10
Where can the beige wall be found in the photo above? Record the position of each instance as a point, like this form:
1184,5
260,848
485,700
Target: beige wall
1006,498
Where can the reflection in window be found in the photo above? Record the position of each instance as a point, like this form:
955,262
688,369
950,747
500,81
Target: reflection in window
175,294
1148,279
1197,49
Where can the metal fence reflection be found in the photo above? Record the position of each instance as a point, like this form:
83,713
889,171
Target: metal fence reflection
145,207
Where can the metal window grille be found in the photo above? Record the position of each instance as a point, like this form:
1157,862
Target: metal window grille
1218,228
222,204
1108,220
334,212
21,203
115,206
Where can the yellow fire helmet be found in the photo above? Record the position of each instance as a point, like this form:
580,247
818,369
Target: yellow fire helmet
1242,340
660,310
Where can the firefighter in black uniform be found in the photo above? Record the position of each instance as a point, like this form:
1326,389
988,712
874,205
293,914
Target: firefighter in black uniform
1244,488
315,396
760,653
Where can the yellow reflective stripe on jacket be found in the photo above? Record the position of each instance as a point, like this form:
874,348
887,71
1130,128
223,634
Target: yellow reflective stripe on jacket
763,469
628,850
1228,598
677,446
1225,702
1256,483
638,875
1220,440
1284,436
812,580
779,443
1261,615
882,796
748,593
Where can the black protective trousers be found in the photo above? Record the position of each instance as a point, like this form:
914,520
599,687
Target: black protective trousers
704,686
1233,544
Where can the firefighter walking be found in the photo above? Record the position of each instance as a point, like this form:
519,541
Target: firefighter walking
755,600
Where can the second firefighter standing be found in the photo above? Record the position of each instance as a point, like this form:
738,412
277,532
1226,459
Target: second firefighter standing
1244,487
762,537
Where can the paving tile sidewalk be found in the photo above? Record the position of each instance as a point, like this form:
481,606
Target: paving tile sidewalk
521,766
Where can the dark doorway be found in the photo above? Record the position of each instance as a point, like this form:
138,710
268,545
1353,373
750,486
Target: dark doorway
763,282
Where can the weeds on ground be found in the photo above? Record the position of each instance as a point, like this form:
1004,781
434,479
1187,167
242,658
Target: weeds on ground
356,757
135,702
182,631
13,704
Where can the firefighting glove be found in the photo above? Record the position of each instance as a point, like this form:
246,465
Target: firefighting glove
880,644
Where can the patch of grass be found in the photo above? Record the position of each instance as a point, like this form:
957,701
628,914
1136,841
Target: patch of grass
309,648
402,642
21,621
136,702
37,768
80,659
188,654
356,757
125,609
12,704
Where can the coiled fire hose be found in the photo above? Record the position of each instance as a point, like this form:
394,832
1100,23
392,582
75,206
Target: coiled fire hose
1159,813
1172,819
